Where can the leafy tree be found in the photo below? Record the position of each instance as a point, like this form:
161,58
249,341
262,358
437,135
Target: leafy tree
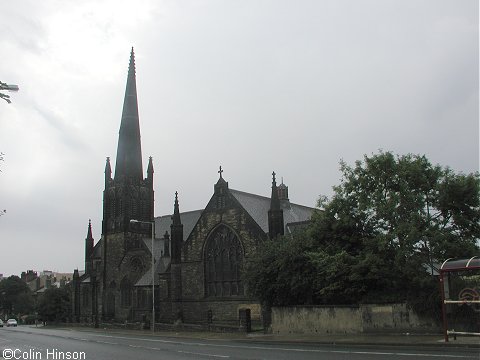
282,274
390,219
15,296
54,305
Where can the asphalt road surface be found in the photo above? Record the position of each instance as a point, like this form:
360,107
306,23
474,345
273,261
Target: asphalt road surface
54,344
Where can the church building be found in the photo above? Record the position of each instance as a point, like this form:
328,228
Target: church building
192,259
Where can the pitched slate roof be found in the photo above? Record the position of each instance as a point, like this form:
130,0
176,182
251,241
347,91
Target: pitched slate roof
97,249
161,261
257,206
158,246
189,220
161,265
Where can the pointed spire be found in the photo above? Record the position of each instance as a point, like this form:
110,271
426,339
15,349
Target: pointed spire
150,166
176,211
89,231
129,151
176,233
275,214
89,248
108,168
274,201
108,171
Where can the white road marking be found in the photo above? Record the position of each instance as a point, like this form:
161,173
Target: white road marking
106,342
202,354
399,354
291,349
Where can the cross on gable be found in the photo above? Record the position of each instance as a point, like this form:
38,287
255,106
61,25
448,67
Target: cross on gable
220,171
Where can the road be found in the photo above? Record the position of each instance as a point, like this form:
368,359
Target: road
44,343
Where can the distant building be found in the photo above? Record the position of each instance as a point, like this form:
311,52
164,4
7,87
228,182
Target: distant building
46,279
28,275
198,255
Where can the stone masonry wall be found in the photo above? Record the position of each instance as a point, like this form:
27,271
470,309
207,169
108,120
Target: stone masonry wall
348,320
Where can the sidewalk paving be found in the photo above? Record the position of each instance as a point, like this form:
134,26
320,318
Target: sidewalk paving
400,339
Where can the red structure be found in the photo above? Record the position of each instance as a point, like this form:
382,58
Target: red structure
463,295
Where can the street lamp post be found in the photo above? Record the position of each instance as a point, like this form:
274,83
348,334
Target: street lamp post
152,223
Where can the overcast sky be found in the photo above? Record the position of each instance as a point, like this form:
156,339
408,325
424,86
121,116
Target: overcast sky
254,86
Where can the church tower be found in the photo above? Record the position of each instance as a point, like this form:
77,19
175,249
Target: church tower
128,196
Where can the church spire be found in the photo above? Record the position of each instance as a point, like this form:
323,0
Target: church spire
129,151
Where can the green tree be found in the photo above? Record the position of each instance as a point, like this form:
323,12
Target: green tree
15,296
280,274
390,219
54,305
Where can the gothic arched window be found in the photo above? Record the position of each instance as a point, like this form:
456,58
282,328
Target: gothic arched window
136,265
223,261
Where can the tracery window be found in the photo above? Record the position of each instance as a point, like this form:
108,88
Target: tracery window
223,263
136,265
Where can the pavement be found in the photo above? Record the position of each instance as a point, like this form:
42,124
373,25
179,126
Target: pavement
390,339
394,339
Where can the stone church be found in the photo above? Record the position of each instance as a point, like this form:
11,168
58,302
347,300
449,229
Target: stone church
198,256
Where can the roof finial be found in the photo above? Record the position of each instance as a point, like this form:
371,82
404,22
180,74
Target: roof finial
274,201
131,65
89,230
220,172
150,166
176,211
